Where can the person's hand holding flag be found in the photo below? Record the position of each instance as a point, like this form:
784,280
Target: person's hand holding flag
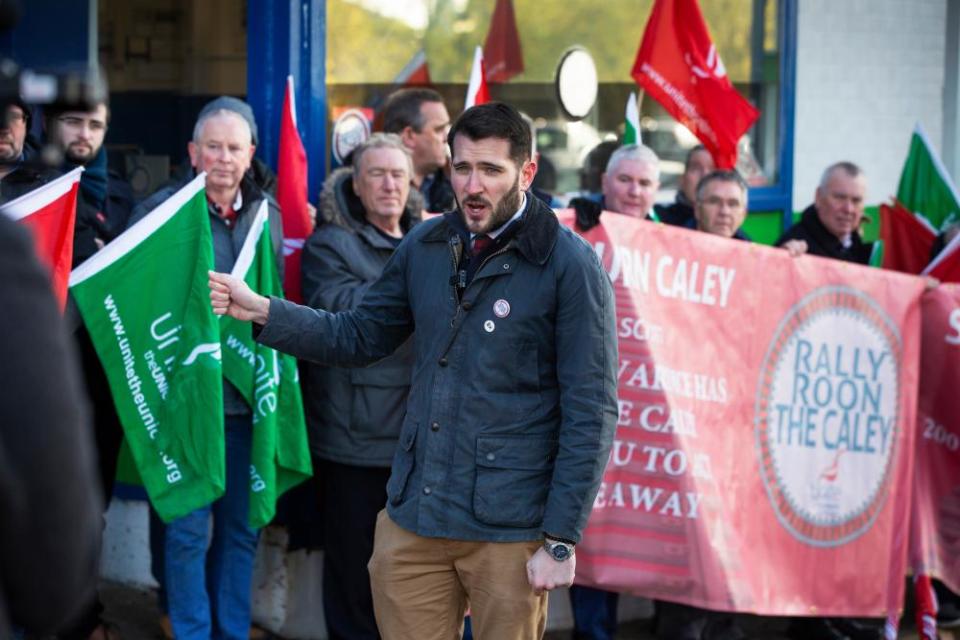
230,295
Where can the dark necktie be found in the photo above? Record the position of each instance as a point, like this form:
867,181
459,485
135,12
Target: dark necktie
481,243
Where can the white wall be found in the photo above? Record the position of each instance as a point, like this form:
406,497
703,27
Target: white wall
867,71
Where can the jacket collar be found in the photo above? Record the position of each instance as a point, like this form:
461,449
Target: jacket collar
811,221
534,240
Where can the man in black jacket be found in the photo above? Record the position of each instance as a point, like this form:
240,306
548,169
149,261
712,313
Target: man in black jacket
354,415
680,213
105,199
629,186
420,118
104,202
830,227
19,173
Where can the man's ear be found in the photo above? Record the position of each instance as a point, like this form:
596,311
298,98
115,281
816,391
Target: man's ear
527,173
253,150
194,152
407,135
697,214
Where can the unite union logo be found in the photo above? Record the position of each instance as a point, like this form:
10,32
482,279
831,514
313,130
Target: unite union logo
826,415
713,63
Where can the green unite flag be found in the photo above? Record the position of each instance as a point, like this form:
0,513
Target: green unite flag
631,123
269,382
145,301
925,185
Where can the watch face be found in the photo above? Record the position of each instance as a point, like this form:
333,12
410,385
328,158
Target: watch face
560,551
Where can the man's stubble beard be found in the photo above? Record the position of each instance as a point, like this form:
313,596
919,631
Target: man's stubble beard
75,159
504,210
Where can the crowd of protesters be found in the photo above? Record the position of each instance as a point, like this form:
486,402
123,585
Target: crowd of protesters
435,409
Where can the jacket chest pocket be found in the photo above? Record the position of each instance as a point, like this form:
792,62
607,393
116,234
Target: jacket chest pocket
509,365
379,396
513,476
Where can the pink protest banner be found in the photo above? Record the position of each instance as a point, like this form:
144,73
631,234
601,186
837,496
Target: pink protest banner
764,455
935,526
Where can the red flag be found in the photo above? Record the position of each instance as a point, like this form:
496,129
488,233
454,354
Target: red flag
946,266
416,72
907,241
50,211
502,54
477,91
292,194
926,607
680,67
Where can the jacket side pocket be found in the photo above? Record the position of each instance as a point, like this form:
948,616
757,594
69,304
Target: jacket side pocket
513,480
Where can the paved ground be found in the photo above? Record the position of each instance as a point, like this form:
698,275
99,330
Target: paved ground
136,617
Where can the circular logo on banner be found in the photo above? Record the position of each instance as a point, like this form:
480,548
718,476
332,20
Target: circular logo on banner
826,415
349,131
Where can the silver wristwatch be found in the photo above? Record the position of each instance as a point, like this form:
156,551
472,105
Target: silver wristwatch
559,551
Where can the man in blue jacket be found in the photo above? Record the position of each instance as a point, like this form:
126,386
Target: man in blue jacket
512,404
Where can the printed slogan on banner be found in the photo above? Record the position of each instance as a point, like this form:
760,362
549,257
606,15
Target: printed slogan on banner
764,439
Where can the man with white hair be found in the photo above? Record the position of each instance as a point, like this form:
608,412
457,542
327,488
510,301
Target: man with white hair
208,591
830,227
629,186
354,416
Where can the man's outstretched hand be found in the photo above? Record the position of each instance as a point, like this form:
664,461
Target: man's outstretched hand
231,296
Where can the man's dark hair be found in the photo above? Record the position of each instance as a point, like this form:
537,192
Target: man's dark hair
591,175
54,111
696,149
494,120
402,109
723,175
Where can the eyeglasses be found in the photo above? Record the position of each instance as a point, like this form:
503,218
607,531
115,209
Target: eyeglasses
78,123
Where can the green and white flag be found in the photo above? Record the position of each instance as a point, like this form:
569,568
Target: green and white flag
269,382
631,123
925,185
145,301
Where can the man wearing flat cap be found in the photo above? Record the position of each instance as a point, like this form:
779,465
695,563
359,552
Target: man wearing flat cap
208,590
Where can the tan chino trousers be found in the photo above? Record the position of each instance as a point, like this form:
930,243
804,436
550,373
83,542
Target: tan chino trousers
422,586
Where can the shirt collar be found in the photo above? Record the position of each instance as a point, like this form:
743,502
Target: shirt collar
237,202
516,216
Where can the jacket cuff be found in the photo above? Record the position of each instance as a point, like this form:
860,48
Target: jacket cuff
547,534
264,332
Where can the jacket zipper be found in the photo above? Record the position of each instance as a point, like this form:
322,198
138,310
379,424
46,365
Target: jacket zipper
458,290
